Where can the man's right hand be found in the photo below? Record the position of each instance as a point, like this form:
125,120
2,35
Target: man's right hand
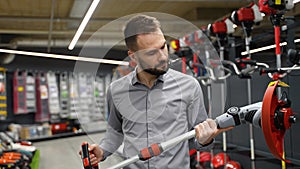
96,153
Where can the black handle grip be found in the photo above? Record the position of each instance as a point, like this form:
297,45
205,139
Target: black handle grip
86,157
248,62
271,70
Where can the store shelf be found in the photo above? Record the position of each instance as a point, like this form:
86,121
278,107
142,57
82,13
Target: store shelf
64,135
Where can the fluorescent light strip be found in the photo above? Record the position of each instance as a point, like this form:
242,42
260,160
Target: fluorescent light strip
296,1
266,48
83,24
66,57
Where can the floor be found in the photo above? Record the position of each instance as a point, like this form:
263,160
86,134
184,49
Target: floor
63,153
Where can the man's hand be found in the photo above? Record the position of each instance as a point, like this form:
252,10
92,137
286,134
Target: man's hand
208,130
96,153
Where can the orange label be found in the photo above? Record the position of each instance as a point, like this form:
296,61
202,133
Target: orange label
86,162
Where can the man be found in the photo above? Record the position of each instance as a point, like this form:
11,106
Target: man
153,103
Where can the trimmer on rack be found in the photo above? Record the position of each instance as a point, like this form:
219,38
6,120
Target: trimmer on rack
221,29
246,17
276,10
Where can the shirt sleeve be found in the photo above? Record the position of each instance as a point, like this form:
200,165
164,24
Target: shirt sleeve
114,134
197,114
196,111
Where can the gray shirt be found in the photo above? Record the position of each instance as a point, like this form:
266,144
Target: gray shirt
141,116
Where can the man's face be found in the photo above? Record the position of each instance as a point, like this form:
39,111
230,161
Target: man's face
152,53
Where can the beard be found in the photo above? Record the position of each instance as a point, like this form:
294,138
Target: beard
155,70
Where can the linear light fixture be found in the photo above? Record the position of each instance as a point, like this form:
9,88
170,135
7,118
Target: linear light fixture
66,57
296,1
267,47
83,23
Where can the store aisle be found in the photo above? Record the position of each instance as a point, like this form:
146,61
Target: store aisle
63,153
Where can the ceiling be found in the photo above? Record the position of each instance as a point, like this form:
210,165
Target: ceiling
52,23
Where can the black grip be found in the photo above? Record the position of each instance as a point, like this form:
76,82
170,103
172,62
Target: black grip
248,62
85,155
271,70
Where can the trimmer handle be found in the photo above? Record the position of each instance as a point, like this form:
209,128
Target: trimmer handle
85,155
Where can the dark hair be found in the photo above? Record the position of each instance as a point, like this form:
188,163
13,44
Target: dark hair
139,24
